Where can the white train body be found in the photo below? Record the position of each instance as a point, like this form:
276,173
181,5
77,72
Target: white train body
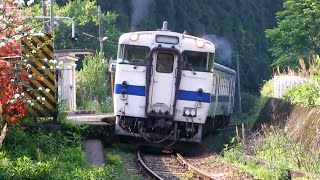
167,86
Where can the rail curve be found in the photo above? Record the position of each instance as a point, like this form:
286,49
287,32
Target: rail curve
186,166
143,164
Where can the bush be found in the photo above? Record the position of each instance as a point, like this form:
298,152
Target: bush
252,106
306,95
267,89
93,88
248,102
39,154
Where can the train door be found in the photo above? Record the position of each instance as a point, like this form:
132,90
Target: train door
162,86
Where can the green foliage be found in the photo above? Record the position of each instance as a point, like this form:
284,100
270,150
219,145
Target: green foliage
316,74
273,148
267,89
248,102
85,15
39,154
243,23
93,91
306,95
113,157
252,106
278,149
234,154
297,35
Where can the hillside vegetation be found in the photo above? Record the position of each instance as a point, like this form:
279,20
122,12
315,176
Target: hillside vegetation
233,25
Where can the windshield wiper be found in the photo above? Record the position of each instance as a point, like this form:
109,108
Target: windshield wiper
190,66
138,64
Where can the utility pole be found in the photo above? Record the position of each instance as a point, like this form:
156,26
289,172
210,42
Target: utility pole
100,32
51,16
238,80
44,11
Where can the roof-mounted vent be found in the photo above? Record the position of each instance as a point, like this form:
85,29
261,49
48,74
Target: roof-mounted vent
164,26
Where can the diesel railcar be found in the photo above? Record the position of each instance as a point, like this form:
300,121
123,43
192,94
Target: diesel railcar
168,87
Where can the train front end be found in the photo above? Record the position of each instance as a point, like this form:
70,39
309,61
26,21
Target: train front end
163,85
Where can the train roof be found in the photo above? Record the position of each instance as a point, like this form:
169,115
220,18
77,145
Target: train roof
167,39
222,68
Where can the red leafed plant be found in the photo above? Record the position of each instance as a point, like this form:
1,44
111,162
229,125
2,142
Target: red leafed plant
13,105
12,98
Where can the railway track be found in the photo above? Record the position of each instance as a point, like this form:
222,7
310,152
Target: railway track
169,167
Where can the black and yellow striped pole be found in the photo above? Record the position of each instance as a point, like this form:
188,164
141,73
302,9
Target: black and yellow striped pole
41,76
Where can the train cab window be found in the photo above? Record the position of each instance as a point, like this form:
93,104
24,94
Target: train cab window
165,63
210,61
197,61
135,55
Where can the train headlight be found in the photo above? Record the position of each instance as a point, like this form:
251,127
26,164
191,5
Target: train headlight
187,112
134,37
190,112
193,112
200,43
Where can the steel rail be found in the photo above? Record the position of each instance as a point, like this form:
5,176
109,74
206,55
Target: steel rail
194,169
147,168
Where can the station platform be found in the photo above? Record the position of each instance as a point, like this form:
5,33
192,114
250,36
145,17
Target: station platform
92,118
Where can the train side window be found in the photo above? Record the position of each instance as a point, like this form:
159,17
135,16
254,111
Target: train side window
210,62
227,86
194,60
135,55
165,63
223,86
121,52
220,86
214,84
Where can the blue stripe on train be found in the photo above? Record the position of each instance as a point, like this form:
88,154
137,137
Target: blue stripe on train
130,90
193,96
183,94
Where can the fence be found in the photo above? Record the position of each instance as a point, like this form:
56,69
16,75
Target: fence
281,83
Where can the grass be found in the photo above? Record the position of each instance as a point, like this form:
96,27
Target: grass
35,153
271,145
234,155
280,150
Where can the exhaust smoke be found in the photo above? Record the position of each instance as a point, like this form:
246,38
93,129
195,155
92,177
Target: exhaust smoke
139,9
223,48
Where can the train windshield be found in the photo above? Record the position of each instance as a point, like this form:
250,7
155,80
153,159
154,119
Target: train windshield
197,61
135,55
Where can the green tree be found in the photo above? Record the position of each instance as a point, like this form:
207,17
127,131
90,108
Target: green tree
93,89
297,34
228,19
242,22
85,15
